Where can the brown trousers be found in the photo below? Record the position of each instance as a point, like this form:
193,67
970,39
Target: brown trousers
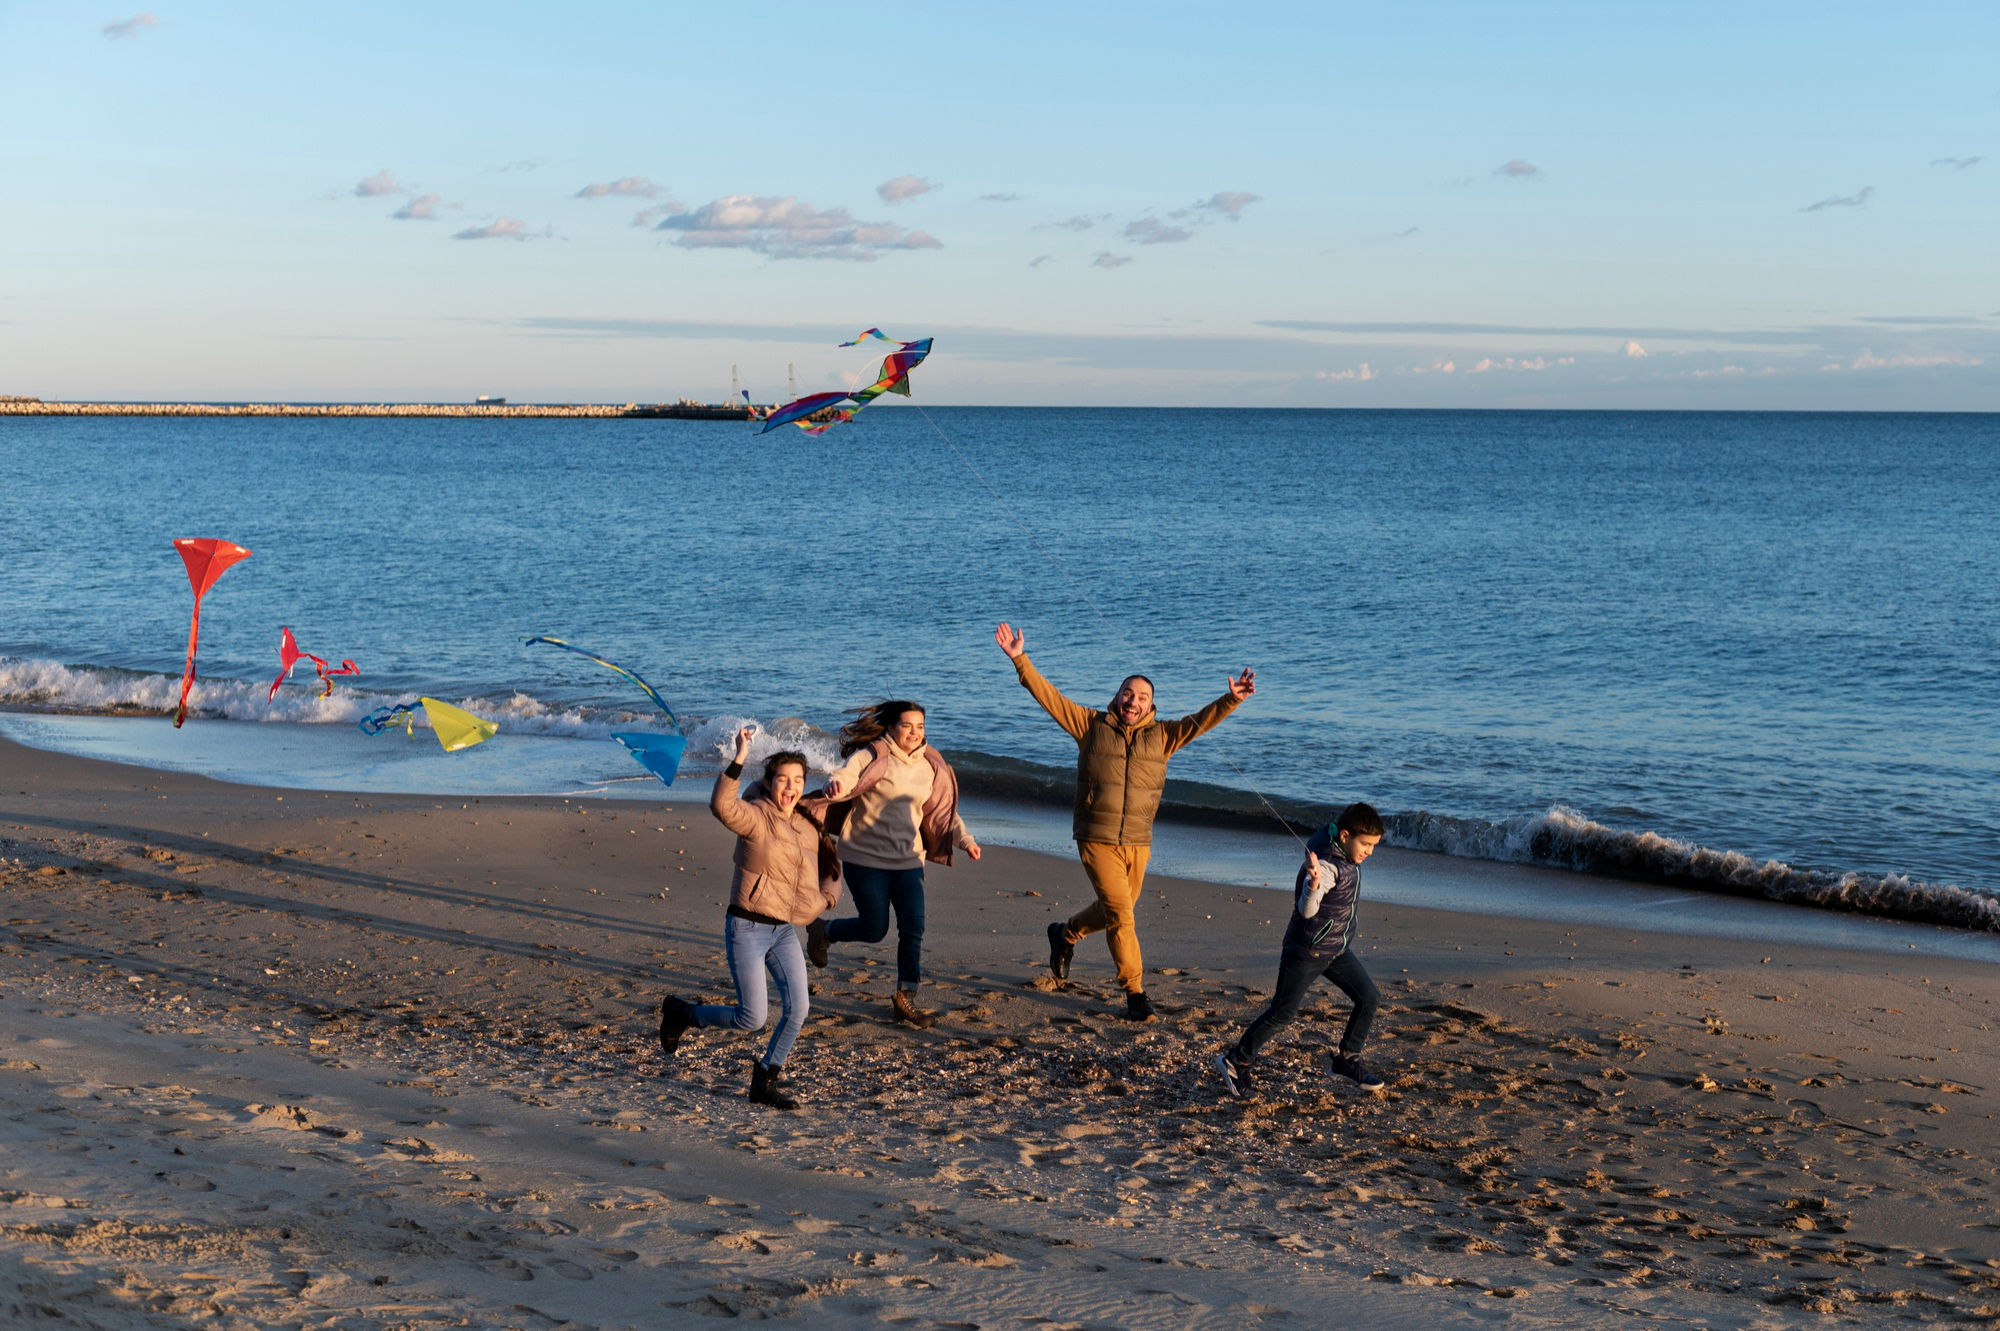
1117,873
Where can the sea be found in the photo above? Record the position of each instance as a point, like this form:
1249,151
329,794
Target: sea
1750,655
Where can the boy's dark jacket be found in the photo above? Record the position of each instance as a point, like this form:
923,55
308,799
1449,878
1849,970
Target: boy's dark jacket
1329,930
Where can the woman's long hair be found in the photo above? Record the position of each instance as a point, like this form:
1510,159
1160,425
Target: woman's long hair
873,722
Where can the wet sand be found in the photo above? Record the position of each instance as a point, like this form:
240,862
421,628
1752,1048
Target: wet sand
293,1059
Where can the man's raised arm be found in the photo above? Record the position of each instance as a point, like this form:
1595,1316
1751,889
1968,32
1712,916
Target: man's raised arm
1070,716
1200,723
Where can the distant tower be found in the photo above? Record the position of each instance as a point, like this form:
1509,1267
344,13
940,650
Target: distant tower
735,389
792,378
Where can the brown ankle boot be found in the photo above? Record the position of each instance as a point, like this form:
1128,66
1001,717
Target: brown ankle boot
909,1013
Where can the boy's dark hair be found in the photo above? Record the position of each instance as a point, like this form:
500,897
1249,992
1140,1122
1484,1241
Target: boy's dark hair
1359,819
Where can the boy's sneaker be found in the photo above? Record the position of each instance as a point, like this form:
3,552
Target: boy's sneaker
1060,950
1138,1007
1355,1071
1235,1075
816,943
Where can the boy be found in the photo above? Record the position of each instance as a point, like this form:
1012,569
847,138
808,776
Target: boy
1319,941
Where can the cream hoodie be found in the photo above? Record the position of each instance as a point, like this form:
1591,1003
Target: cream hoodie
882,831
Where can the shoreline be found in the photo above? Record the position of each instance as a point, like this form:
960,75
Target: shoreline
298,1016
1205,832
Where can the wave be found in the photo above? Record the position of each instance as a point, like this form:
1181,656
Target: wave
1562,838
29,684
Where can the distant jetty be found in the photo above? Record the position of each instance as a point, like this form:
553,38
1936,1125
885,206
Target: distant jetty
684,410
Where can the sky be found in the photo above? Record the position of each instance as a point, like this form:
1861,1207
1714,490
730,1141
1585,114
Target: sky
1589,205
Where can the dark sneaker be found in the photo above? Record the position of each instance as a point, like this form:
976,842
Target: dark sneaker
1235,1075
816,943
1060,951
1138,1007
766,1089
1355,1071
675,1018
904,1005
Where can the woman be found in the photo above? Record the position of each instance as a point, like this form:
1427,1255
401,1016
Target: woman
896,805
781,881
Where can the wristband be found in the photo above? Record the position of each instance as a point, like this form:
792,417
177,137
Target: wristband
733,770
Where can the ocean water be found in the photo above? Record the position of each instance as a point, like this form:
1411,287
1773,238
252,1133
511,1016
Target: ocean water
1756,653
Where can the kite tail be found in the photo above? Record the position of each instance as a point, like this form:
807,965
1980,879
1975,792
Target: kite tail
187,676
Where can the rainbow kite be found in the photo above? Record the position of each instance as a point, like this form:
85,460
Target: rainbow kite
207,559
290,655
658,754
894,377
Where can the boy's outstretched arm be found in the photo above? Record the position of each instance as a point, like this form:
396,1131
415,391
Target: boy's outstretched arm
1317,882
1070,716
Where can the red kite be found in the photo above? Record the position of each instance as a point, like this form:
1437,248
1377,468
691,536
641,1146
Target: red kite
289,655
207,560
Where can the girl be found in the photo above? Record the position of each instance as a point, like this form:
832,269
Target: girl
895,806
780,882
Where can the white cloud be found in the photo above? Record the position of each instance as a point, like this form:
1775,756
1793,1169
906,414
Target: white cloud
1106,259
1361,375
1868,360
525,164
1441,367
1229,204
1152,231
1511,363
1957,163
1077,223
382,182
905,187
130,27
1842,201
423,208
1517,170
1633,351
789,228
1041,259
999,198
501,228
625,187
651,216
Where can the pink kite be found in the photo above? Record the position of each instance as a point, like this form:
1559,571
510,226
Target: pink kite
207,560
289,655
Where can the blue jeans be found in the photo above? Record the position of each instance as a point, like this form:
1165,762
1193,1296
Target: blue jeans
875,892
1297,969
753,949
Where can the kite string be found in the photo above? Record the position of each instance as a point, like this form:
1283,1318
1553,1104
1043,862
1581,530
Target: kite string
1091,604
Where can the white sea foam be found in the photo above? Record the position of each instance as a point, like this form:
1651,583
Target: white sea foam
52,686
714,741
1563,838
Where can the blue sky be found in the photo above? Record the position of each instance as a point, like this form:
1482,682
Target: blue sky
1588,205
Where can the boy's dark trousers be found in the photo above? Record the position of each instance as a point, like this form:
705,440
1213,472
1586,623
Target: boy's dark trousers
1297,969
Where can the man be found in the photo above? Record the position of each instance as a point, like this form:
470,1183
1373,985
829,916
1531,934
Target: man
1121,772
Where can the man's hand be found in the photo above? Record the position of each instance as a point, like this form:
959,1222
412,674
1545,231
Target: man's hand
1239,688
743,738
1010,640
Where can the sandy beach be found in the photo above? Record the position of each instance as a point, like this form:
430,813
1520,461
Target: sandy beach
296,1059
